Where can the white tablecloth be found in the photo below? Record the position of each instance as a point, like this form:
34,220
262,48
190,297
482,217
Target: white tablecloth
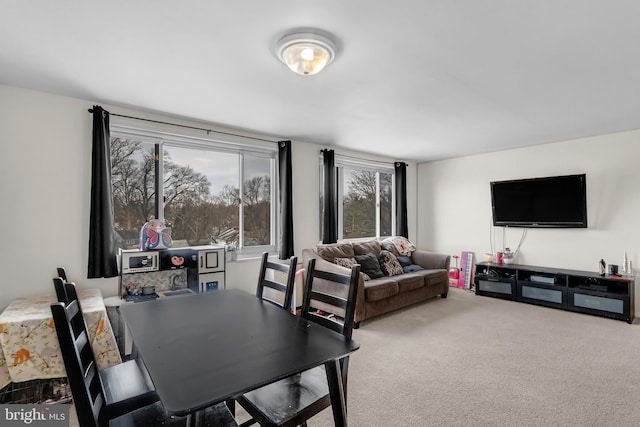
29,345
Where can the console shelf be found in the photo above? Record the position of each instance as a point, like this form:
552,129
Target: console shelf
573,290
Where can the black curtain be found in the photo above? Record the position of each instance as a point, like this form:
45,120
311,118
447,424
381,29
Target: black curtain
402,228
285,183
330,200
102,238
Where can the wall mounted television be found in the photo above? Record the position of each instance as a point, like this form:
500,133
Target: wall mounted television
549,202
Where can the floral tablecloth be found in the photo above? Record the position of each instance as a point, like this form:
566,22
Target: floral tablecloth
29,345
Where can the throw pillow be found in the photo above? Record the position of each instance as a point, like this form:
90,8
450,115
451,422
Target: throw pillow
345,262
402,244
350,262
412,267
404,260
389,264
388,245
369,265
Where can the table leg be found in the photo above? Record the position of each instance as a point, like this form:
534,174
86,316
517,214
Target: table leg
196,419
336,392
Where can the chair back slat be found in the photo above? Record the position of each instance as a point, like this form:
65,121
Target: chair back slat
333,300
274,285
279,266
285,288
345,285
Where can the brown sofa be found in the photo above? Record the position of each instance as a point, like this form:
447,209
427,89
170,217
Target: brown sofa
384,294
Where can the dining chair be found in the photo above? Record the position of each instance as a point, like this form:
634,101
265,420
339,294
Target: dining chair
122,395
286,288
292,401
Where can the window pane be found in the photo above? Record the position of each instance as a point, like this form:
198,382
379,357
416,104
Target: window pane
257,201
386,197
201,196
133,184
359,204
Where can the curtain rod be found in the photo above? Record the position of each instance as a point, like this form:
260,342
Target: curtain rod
188,127
360,158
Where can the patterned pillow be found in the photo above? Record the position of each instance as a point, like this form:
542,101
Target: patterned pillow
402,244
350,262
389,264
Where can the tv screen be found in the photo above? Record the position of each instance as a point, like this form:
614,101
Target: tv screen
550,202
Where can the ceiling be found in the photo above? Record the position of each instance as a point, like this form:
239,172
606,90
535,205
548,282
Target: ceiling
414,80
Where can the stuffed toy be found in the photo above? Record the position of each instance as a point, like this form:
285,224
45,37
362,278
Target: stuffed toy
154,235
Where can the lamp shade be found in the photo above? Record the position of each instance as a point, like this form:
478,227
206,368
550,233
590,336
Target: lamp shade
306,53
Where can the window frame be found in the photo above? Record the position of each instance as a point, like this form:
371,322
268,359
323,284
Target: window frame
342,162
232,144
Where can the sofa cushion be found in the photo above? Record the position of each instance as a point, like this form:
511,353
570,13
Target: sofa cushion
379,289
411,268
409,282
433,277
389,264
369,265
363,248
404,260
331,251
350,262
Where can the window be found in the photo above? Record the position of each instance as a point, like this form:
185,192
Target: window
210,191
365,199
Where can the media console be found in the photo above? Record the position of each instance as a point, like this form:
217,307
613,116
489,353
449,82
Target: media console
573,290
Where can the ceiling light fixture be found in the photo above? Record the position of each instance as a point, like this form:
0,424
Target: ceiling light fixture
306,53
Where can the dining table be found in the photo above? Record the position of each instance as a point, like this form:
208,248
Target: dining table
204,349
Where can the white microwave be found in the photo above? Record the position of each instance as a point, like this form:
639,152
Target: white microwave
135,261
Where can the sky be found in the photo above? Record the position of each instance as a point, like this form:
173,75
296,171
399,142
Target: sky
220,168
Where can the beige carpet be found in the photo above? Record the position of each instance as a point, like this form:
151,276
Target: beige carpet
476,361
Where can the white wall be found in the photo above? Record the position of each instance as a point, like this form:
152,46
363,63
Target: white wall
45,178
454,202
45,193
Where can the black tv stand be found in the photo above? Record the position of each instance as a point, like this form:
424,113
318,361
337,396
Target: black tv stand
581,291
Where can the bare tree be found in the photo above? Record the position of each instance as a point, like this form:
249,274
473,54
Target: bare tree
360,204
257,210
190,210
359,214
132,174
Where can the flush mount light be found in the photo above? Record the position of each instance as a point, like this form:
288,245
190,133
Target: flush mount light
306,53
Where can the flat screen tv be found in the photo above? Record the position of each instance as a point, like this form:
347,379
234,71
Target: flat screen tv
550,202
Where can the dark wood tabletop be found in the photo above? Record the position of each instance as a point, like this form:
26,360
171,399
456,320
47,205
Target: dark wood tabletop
202,349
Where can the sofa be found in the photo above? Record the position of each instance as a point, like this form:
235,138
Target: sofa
409,275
